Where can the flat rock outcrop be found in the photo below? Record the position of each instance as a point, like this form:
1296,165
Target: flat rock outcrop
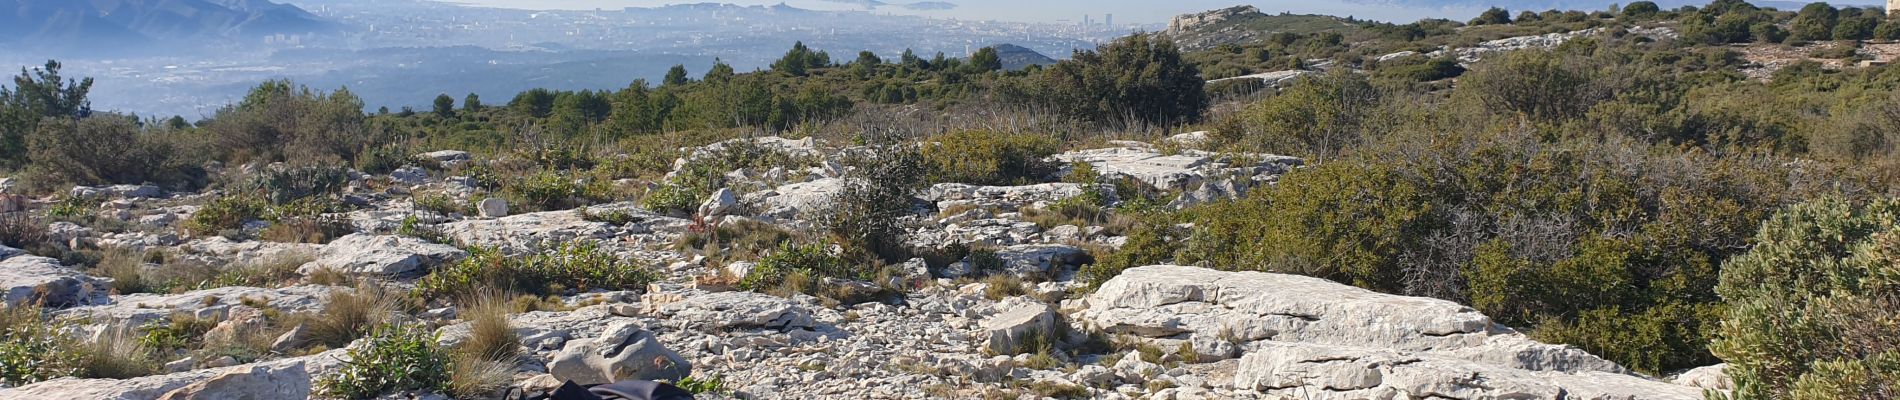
138,309
278,379
542,230
737,310
382,255
1307,335
27,279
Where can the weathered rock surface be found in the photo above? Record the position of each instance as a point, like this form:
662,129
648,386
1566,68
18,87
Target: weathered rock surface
622,352
1303,334
492,208
1178,171
1025,323
737,310
446,158
117,191
534,231
27,279
1007,198
138,309
1338,372
1710,377
787,203
217,250
1033,259
278,379
382,255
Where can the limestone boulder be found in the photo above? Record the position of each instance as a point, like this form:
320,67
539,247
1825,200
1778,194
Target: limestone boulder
410,175
248,382
1338,372
1179,171
721,202
1038,259
382,255
29,279
1023,324
492,208
1299,334
787,203
1713,377
622,352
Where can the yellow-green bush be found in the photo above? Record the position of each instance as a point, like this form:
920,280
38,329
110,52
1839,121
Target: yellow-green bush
1813,306
986,158
578,266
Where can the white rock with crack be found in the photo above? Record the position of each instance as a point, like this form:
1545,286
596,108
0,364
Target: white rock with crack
382,255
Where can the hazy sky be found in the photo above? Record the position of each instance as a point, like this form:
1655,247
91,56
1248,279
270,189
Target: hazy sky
1126,11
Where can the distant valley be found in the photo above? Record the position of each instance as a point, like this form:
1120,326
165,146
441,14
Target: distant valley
100,27
188,57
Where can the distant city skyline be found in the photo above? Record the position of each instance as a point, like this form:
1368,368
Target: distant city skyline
1146,12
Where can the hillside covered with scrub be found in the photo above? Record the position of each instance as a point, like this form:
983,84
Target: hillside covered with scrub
1630,203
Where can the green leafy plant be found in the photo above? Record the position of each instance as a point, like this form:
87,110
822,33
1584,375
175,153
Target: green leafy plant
797,262
579,265
392,358
225,214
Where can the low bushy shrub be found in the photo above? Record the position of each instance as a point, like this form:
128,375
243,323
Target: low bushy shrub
578,266
226,214
548,190
283,186
1814,306
392,358
987,158
794,263
32,349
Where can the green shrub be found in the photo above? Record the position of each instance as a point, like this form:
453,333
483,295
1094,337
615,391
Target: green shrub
549,190
864,216
225,214
413,227
69,208
393,358
32,349
284,186
1148,244
578,266
810,261
178,333
985,158
711,385
1812,308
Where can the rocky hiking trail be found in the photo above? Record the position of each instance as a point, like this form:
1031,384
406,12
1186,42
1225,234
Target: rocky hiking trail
1154,332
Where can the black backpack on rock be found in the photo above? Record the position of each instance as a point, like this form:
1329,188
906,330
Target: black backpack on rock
623,390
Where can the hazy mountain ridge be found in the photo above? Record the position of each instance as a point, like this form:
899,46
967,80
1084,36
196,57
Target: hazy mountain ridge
1015,58
117,25
1540,5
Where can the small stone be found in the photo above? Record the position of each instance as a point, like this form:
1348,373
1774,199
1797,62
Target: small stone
290,340
182,365
410,175
222,362
492,208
